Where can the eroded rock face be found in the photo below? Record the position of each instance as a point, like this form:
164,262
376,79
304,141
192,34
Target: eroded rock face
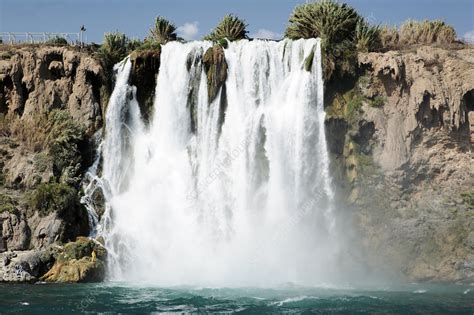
34,80
16,233
51,103
408,160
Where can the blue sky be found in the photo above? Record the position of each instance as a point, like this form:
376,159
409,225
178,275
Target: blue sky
266,18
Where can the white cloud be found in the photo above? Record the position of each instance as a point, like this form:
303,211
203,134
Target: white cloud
188,30
469,37
266,34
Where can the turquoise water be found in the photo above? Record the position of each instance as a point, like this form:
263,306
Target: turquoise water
110,298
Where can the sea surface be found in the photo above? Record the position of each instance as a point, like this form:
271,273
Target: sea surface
111,298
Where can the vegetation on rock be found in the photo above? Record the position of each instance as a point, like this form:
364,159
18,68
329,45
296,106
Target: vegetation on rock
335,24
231,28
468,198
114,48
389,37
79,261
344,32
367,37
426,32
327,19
57,41
377,101
7,204
54,197
57,134
216,70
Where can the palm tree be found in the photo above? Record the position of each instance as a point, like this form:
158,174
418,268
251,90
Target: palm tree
231,28
163,31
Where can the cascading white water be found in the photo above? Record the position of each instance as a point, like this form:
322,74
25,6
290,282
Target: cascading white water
243,202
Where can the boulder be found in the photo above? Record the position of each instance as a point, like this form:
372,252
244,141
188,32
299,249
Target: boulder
79,261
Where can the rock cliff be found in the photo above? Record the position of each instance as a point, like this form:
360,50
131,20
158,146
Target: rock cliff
51,103
401,134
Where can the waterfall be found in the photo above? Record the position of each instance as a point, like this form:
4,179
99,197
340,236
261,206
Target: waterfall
243,200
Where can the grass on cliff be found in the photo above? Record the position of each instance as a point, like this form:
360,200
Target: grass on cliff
57,135
426,32
46,129
413,33
367,37
57,41
231,28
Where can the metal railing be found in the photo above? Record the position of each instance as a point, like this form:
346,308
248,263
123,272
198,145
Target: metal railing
40,37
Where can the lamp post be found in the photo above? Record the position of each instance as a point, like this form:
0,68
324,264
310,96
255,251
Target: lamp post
81,35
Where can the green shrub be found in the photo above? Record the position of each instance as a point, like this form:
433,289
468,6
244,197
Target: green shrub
231,28
134,44
114,48
57,137
354,105
57,41
53,197
367,37
377,101
7,204
148,45
163,31
42,161
468,198
65,137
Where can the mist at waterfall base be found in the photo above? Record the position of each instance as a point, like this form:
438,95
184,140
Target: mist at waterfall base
232,192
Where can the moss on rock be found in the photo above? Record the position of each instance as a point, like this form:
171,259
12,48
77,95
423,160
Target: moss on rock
79,261
215,66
